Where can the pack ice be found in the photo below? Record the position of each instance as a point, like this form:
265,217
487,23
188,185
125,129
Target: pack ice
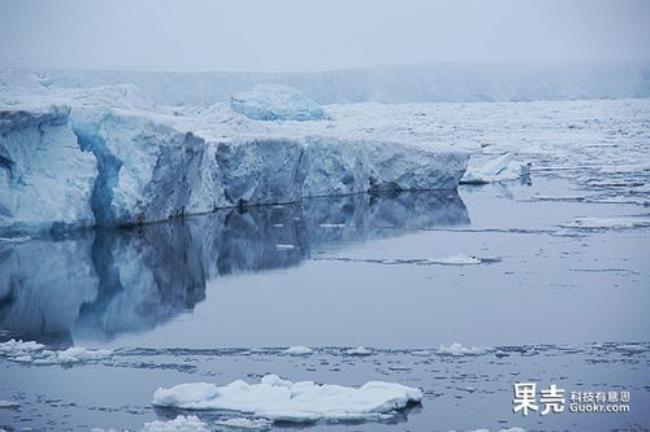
276,102
281,400
109,156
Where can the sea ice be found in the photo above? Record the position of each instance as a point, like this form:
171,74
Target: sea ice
456,349
37,354
9,404
244,423
359,351
276,102
503,168
604,223
280,400
179,424
299,351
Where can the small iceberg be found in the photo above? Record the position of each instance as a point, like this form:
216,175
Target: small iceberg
503,168
359,351
302,402
245,424
299,351
276,102
457,350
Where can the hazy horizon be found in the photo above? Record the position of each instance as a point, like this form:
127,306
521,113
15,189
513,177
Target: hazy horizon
297,36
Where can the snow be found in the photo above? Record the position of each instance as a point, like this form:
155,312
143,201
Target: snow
299,351
243,423
502,168
457,350
276,102
179,424
359,351
280,400
37,354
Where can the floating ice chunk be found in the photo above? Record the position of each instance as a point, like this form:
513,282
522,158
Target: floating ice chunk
460,259
299,350
631,348
244,423
512,429
179,424
503,168
9,404
284,247
281,400
604,223
35,353
16,348
276,102
457,349
359,351
80,354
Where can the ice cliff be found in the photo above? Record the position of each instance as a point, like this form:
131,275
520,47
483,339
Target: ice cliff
107,156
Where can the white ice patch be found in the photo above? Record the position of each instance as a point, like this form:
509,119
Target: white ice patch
37,354
280,400
503,168
631,348
276,102
179,424
359,351
243,423
460,259
456,349
299,351
9,404
608,223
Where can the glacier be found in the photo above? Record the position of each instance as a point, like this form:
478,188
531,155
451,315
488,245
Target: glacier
109,156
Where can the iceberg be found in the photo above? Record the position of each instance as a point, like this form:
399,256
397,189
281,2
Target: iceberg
299,351
502,168
458,350
179,424
301,402
276,102
35,353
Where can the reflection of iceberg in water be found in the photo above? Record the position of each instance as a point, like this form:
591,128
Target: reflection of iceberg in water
106,282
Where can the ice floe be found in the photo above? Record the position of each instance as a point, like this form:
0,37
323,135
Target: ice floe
245,423
281,400
359,351
9,404
179,424
276,102
37,354
503,168
608,223
299,351
456,349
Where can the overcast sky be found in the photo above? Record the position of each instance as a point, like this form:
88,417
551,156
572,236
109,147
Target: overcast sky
299,35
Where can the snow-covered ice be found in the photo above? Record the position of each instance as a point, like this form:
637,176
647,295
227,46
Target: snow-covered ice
281,400
179,424
502,168
299,350
245,423
276,102
458,349
9,404
37,354
359,351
